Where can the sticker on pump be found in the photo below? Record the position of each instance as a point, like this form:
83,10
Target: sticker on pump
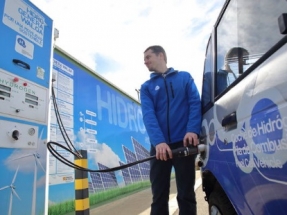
24,47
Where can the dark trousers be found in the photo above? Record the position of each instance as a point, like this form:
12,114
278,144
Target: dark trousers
160,172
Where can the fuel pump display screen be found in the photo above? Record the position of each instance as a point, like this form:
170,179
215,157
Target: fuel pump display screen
31,96
31,102
3,93
31,99
5,88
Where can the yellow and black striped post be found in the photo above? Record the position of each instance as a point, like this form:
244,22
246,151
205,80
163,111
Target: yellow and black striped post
82,204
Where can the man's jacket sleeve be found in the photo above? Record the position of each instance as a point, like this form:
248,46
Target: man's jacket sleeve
150,120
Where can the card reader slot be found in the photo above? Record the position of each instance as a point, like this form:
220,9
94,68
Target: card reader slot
21,64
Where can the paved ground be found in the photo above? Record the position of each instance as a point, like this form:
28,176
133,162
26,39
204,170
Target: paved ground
139,203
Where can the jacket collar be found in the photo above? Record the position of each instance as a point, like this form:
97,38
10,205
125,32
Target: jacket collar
156,74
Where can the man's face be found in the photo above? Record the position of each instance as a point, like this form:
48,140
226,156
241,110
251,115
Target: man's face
152,61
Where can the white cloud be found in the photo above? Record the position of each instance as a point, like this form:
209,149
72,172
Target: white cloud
99,152
122,30
106,156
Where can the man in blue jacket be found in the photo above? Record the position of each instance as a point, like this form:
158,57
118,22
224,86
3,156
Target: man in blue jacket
172,116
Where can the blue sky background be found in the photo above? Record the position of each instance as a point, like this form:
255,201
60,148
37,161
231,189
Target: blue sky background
110,36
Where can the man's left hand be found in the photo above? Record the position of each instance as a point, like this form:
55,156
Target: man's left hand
190,139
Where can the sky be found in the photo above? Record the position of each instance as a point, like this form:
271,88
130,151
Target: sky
110,36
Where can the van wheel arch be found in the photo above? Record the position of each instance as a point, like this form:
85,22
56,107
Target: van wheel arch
219,203
215,195
208,183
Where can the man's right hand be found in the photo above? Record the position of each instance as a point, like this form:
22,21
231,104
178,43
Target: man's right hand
163,152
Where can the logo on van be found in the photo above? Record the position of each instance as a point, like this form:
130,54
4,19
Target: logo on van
267,126
261,144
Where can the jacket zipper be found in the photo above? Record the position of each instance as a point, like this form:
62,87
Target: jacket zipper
167,115
171,89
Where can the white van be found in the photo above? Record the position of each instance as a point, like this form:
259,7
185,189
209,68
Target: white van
244,103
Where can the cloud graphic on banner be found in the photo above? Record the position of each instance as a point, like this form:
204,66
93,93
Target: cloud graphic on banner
105,155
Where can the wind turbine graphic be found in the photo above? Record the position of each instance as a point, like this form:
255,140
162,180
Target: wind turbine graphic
37,163
13,192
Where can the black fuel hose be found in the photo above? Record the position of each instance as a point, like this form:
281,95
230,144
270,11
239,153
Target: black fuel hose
180,152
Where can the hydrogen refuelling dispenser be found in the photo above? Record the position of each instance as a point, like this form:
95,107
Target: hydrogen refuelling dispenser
25,65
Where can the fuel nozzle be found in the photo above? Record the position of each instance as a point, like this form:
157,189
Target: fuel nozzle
186,151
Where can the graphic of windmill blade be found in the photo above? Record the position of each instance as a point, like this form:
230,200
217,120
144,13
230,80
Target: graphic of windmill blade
15,175
14,193
12,184
37,157
23,156
3,188
40,137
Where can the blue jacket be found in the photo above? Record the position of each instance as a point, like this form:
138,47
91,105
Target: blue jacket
171,106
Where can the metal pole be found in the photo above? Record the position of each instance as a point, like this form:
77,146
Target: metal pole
82,204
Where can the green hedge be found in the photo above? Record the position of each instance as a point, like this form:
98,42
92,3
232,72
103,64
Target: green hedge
67,207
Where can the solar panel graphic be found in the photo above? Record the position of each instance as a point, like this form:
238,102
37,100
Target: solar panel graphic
142,153
91,187
109,178
134,170
97,181
135,173
126,174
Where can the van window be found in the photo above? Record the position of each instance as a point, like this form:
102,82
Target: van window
207,76
243,36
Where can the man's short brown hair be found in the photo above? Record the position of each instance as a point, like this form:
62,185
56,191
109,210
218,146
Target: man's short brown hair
157,49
